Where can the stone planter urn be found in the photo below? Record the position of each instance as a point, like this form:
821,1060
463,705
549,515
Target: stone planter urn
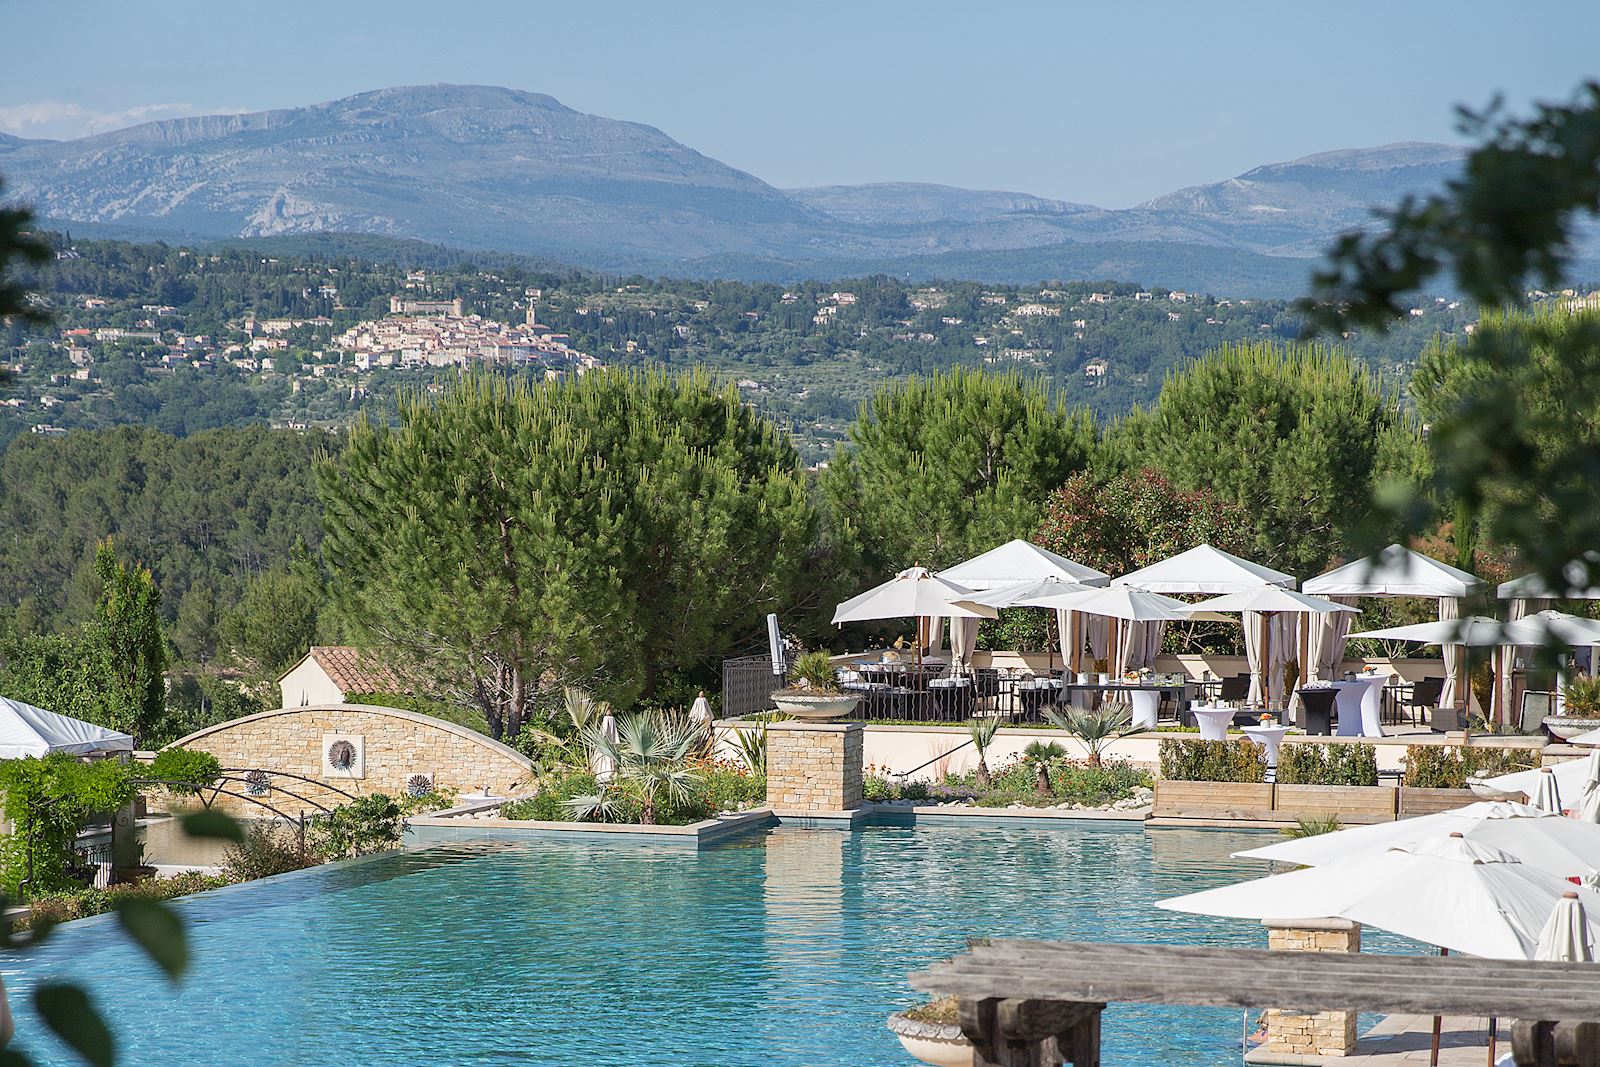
815,706
1565,726
941,1044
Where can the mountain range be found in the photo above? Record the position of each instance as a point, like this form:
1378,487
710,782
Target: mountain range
487,168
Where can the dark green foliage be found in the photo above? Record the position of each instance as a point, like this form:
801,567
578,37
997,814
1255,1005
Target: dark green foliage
184,770
265,850
948,466
1516,451
204,513
714,788
198,700
367,824
448,710
1442,767
125,635
916,789
1311,826
48,801
1297,437
275,620
1327,764
612,527
18,246
1240,760
549,804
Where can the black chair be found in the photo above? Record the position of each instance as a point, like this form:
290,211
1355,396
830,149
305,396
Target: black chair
1424,698
1235,688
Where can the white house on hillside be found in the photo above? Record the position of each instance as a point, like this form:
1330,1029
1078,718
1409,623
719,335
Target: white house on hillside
328,674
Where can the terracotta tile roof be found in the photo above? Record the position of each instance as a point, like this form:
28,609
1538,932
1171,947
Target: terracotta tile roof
356,671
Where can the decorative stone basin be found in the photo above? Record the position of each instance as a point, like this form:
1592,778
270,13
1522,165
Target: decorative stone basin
941,1044
816,705
1565,726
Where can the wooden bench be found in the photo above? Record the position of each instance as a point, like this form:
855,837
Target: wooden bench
1038,1003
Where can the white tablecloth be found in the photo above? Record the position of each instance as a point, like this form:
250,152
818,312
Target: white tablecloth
1214,722
1360,704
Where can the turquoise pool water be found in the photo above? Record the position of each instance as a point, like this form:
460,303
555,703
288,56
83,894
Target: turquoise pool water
784,948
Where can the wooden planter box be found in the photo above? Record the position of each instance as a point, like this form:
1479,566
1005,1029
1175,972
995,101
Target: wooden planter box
1350,804
1213,800
1431,801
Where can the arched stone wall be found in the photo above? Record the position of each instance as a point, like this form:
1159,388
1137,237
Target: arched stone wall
393,745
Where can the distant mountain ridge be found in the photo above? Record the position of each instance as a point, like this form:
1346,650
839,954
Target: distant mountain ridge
488,168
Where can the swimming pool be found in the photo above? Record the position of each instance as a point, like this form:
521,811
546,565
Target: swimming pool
788,947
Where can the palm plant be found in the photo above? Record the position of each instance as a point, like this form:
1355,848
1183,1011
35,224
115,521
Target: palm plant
752,748
650,759
1311,826
1095,727
1039,756
982,731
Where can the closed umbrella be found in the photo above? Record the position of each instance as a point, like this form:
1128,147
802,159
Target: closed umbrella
1589,798
1569,777
1563,847
1547,794
1444,891
600,761
1566,937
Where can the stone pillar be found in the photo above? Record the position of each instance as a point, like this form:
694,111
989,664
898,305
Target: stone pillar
126,853
814,766
1294,1035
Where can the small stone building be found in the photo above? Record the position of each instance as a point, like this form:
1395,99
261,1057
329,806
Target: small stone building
330,674
355,748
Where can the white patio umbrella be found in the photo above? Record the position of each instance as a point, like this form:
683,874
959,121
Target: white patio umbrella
1474,631
1569,777
1591,739
1566,936
1551,627
1266,602
914,593
1123,603
1203,569
1447,891
1020,562
1547,794
1027,594
1563,847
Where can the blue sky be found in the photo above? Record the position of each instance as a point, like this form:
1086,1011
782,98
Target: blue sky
1104,103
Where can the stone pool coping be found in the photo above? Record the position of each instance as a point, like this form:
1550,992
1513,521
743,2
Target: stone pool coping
464,822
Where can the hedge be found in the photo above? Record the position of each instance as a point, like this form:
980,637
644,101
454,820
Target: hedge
1446,767
1239,760
1326,764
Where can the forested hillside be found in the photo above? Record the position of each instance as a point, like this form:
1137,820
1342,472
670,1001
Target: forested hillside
162,336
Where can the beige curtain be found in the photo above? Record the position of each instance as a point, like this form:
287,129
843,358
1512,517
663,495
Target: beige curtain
1457,691
1254,631
1069,626
1283,651
1144,643
1505,665
1326,636
963,640
1099,635
935,632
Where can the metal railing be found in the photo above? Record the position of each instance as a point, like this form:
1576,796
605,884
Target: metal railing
748,683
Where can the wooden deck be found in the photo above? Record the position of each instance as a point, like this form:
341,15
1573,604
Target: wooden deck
1033,1003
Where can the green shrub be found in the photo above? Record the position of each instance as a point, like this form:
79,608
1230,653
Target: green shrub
266,849
1327,764
184,770
877,789
1071,781
1238,760
722,788
914,790
52,908
365,825
55,797
1446,767
549,804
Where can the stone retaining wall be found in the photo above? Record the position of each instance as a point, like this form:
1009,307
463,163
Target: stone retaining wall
392,745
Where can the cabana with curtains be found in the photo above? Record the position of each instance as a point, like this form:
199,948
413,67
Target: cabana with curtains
1526,596
1207,570
1395,571
1013,572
